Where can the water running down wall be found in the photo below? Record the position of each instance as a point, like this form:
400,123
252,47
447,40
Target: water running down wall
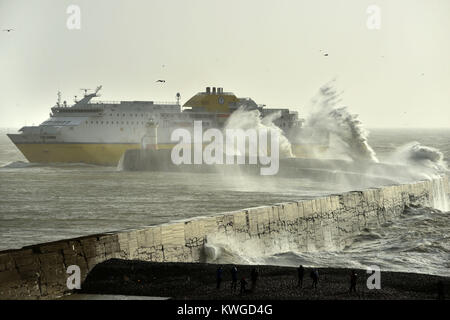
39,271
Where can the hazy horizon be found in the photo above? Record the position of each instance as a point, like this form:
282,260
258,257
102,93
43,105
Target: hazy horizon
274,52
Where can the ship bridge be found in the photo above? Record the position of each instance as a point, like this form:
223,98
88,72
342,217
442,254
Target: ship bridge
213,100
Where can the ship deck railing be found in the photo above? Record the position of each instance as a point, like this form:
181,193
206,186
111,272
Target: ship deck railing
130,102
167,103
103,104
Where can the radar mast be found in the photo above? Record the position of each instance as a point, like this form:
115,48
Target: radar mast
58,102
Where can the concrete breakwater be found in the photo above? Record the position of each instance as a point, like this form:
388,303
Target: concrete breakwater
39,271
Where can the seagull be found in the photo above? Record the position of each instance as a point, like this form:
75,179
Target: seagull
324,53
160,80
8,30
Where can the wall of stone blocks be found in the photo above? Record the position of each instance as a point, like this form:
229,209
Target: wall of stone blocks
39,271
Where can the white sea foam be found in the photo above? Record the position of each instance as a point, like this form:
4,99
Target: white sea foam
251,119
348,138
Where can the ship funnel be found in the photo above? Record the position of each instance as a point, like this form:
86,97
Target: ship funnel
214,90
208,90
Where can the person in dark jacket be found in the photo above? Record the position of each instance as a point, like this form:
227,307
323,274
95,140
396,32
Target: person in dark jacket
254,278
353,280
315,278
301,273
234,278
243,285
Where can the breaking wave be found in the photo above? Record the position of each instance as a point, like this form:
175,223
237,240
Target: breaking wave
347,135
251,119
416,154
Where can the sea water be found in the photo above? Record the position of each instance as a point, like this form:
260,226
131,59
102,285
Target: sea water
40,203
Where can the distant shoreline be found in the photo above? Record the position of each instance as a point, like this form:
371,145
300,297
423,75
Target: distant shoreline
188,281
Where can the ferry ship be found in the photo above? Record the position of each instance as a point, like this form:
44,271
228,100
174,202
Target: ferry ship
100,132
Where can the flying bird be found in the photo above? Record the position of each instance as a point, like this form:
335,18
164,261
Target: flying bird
325,54
160,80
8,30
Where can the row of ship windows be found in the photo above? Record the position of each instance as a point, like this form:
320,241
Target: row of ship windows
165,123
116,122
124,114
162,116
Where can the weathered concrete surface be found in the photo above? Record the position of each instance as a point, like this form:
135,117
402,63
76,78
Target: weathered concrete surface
39,271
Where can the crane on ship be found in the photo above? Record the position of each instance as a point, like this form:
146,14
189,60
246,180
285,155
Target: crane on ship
88,97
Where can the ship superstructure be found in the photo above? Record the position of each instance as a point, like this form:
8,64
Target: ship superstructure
100,132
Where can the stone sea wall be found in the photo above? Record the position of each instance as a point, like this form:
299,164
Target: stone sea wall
39,271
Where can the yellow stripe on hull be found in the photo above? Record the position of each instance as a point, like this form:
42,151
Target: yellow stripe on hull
308,150
107,154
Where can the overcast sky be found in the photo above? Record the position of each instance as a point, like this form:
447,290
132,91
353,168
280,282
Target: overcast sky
272,51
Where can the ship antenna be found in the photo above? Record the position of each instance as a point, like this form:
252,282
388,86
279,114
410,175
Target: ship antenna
98,89
85,91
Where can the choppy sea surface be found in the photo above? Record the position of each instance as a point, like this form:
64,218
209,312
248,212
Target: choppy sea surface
40,203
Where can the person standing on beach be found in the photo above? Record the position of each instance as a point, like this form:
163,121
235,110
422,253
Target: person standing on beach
353,280
315,278
301,272
219,276
254,278
243,285
234,278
